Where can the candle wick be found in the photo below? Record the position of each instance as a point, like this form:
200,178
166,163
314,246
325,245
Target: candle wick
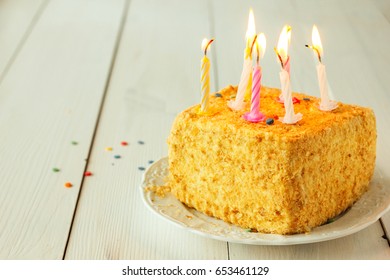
208,44
258,54
253,43
280,58
316,50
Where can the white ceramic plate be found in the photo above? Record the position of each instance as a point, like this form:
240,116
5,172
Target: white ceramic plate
363,213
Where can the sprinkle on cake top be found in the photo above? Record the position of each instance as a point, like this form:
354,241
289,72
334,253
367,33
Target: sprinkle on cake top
314,119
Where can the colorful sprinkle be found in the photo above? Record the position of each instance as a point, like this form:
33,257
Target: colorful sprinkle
117,156
68,185
296,100
276,117
331,220
74,143
124,143
55,169
108,148
141,168
88,173
150,161
218,95
141,142
269,121
306,98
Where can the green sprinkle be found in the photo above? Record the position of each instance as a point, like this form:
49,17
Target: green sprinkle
218,95
306,98
331,220
117,156
74,142
55,169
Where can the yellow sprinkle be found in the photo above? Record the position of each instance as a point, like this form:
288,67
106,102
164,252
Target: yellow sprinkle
108,148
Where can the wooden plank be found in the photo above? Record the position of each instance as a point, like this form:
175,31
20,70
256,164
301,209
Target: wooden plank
356,55
51,96
156,75
384,8
17,18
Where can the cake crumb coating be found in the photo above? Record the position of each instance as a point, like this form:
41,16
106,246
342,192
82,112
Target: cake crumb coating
277,178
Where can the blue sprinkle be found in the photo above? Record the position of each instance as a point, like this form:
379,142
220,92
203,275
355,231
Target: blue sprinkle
141,142
150,161
218,95
269,121
141,168
306,99
117,156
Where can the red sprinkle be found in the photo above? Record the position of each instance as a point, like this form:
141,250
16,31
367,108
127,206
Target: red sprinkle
275,117
124,143
296,100
88,173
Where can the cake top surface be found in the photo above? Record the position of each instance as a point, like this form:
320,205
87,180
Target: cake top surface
314,120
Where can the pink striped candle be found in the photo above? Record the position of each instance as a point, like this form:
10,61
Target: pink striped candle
255,115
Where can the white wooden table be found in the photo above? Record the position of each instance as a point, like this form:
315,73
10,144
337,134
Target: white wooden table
100,72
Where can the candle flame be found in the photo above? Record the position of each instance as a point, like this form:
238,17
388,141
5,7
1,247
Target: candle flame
262,44
284,40
206,44
251,31
316,40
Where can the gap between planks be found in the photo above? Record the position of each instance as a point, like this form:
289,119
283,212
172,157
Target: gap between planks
107,84
385,233
24,38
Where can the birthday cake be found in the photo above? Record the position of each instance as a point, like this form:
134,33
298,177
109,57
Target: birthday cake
269,176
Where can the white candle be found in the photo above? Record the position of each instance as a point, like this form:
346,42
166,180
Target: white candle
286,96
326,104
238,103
246,74
282,52
290,117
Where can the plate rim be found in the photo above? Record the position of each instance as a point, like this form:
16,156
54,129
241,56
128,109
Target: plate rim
280,240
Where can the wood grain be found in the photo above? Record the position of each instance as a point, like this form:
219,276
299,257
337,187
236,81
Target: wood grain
153,79
101,72
16,20
49,97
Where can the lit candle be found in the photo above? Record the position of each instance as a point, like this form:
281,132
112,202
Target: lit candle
255,114
238,103
281,52
326,104
205,77
290,117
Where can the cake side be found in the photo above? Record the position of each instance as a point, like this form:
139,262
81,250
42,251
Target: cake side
281,178
213,175
332,169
